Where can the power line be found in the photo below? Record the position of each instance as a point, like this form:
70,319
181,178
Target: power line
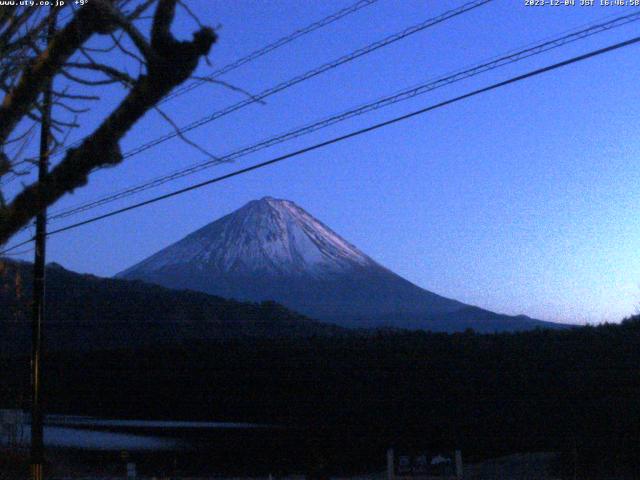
18,245
334,17
406,94
311,74
22,252
269,48
303,77
355,133
329,19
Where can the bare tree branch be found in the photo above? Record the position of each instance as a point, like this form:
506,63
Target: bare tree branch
182,136
111,72
168,63
90,19
232,87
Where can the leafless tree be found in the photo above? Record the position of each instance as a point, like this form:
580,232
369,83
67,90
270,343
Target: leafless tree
29,58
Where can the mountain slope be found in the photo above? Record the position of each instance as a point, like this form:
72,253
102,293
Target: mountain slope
272,249
268,237
88,312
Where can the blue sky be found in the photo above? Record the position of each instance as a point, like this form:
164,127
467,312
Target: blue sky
522,200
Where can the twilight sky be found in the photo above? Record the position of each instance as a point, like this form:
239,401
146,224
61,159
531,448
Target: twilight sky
522,200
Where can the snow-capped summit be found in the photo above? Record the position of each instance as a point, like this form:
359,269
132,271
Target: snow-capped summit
266,237
272,249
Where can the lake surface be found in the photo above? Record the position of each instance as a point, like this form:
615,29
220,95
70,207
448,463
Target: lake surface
193,448
91,433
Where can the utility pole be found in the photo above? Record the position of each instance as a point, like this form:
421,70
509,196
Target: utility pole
37,415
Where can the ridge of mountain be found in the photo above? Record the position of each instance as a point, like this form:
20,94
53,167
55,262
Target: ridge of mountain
272,249
89,312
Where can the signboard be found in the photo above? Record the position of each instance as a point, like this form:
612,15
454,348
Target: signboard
424,465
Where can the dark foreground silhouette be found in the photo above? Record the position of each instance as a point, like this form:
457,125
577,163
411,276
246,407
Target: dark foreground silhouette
347,399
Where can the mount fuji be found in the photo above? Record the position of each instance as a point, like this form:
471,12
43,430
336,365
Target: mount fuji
272,249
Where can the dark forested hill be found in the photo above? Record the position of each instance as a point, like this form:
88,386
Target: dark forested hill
88,312
573,391
157,353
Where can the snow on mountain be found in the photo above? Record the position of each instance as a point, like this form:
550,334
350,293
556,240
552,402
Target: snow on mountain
267,236
272,249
